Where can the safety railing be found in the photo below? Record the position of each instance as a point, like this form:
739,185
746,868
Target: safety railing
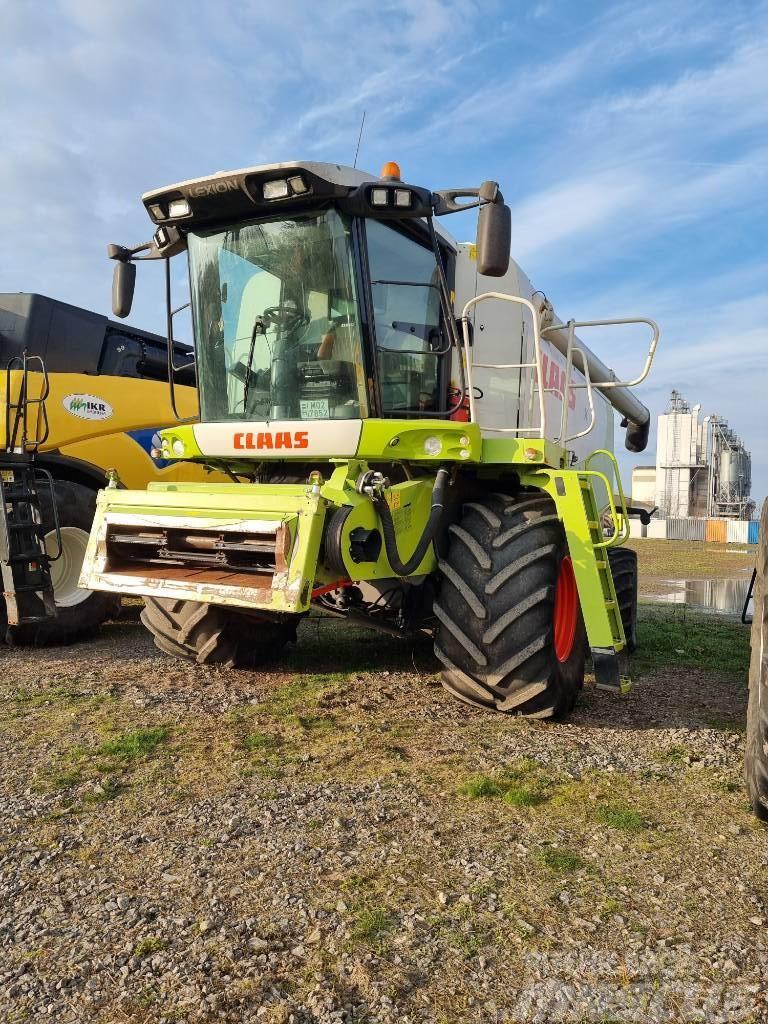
17,427
535,365
619,519
589,366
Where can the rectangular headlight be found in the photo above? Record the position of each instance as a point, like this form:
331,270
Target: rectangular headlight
379,196
298,185
276,189
402,197
179,208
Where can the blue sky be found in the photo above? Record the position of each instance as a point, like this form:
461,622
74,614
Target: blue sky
631,141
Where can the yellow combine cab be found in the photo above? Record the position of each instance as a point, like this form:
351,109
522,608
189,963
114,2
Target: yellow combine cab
107,398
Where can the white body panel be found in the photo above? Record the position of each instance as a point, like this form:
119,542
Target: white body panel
328,439
503,333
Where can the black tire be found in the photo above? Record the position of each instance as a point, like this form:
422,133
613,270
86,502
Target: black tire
211,634
496,607
76,507
623,562
756,759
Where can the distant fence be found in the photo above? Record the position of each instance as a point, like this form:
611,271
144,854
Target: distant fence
713,531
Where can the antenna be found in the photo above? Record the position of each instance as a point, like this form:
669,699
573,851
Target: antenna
359,137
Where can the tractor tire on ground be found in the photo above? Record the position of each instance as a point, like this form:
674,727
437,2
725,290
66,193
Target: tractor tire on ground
756,761
211,634
79,612
623,562
510,631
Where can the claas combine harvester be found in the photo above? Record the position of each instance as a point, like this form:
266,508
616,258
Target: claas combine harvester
411,439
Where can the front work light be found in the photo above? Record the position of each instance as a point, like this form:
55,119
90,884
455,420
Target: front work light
402,197
298,185
379,196
276,189
179,208
157,212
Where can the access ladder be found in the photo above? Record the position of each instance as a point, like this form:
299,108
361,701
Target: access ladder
24,559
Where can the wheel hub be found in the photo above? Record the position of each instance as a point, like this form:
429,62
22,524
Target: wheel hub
65,571
566,611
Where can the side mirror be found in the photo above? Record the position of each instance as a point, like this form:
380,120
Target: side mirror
494,236
123,282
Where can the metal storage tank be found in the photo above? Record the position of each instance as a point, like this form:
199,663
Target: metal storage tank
737,531
716,531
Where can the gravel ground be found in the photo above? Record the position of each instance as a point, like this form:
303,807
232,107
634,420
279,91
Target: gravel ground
341,841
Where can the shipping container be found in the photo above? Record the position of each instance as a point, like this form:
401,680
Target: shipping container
686,529
657,528
737,532
754,532
716,531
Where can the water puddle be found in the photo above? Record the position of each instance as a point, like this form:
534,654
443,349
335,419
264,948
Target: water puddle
726,597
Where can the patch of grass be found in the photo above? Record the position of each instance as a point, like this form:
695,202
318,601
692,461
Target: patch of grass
618,816
261,743
723,724
479,787
700,641
137,743
561,861
521,785
675,753
372,923
150,944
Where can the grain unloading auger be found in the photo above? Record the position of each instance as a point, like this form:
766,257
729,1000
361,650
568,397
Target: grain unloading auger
413,440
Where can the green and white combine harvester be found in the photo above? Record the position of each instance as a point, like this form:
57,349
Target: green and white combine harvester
414,440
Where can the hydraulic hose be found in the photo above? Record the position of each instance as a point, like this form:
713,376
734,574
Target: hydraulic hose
430,530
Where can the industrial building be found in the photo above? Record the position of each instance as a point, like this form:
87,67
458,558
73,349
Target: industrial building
702,468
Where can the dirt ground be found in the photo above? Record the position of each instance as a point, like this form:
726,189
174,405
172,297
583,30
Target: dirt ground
339,839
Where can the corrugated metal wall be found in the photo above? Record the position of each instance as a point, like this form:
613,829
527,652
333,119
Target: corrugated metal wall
686,529
716,531
737,531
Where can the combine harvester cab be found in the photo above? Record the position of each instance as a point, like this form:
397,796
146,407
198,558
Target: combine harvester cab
413,440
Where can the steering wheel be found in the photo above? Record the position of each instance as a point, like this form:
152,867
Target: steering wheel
289,317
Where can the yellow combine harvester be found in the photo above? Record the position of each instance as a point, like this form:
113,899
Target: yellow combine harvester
106,395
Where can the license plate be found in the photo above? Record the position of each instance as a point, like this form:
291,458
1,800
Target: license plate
314,408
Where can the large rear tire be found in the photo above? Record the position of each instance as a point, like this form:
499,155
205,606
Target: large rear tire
756,760
510,635
79,612
211,634
623,562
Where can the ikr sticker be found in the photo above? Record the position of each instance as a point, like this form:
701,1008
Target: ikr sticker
87,407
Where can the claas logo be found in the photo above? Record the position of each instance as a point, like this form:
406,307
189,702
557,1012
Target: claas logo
265,440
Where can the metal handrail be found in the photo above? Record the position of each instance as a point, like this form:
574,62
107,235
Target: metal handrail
655,334
535,365
590,400
620,527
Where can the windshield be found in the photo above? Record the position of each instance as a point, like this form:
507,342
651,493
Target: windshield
276,325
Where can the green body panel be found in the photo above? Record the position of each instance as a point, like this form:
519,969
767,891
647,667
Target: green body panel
404,440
